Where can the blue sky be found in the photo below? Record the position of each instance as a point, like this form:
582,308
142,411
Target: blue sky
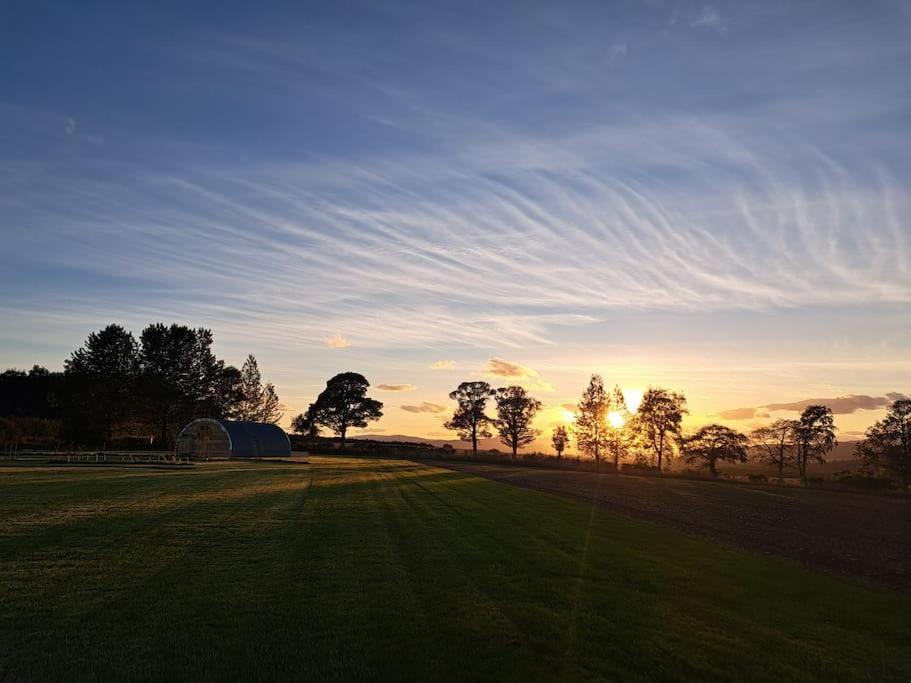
709,196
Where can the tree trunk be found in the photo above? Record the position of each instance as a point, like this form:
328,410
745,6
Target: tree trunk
474,440
712,468
342,432
781,472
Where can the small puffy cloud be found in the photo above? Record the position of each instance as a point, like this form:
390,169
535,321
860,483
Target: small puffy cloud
425,407
396,387
616,51
70,126
443,365
516,374
337,341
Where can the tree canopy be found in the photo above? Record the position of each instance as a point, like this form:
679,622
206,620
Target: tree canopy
516,411
470,420
659,420
344,404
887,445
713,443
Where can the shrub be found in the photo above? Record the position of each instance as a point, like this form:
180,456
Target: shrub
758,478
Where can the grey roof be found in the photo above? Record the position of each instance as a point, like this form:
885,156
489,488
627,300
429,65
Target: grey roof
256,439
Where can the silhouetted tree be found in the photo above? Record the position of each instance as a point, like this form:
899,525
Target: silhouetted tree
715,442
591,422
344,404
659,419
775,444
180,377
469,418
258,402
516,411
560,440
101,378
618,437
814,434
306,423
888,443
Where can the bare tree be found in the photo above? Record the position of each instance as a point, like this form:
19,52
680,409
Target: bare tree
888,443
591,423
344,404
560,440
516,411
715,442
469,418
775,444
814,437
659,419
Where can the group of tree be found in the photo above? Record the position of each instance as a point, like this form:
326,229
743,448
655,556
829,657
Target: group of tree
115,385
515,414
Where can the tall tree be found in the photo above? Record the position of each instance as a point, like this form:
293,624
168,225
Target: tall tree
715,442
591,421
775,444
888,443
658,421
619,437
470,419
516,411
560,439
258,402
100,380
344,404
180,377
814,437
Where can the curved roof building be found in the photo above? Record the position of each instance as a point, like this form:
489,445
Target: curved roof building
208,439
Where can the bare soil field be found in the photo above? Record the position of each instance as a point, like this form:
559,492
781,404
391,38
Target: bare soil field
847,533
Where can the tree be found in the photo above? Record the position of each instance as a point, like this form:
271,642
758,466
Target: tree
344,404
591,423
715,442
258,402
180,377
469,418
560,440
888,443
516,411
306,423
618,435
659,419
775,444
814,434
100,381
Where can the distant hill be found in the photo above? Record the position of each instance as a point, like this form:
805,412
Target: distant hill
843,451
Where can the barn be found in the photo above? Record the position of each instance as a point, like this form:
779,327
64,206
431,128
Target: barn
208,439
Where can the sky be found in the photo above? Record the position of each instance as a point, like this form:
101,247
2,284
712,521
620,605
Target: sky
711,197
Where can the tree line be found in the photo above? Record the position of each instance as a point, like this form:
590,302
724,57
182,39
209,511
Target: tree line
117,387
605,429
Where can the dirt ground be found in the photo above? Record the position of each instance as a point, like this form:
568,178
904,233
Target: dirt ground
847,533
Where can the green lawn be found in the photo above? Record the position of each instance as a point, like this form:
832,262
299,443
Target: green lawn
381,569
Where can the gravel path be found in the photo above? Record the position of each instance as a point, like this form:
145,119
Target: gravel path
848,533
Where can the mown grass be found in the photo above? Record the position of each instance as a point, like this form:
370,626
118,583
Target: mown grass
377,569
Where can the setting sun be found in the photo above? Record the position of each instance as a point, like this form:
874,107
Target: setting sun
616,419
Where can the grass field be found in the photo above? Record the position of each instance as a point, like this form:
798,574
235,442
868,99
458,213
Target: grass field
381,569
